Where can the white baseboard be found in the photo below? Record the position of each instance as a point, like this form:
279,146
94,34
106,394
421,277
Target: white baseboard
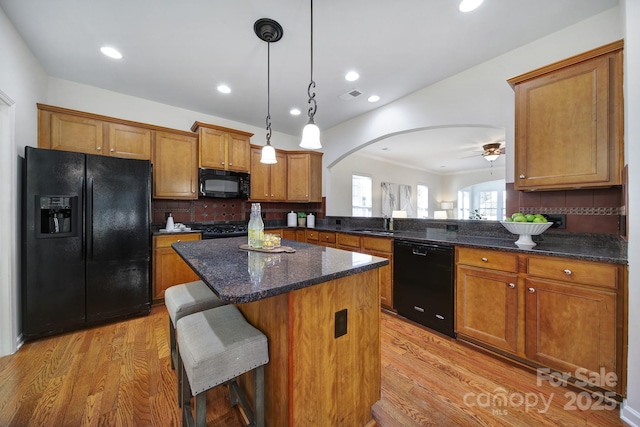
629,415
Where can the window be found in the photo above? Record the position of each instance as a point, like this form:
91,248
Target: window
464,204
488,204
361,195
423,201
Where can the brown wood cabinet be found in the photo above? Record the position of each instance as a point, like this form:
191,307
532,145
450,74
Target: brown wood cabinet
80,132
223,148
175,166
289,233
268,182
304,176
569,122
327,238
561,313
168,268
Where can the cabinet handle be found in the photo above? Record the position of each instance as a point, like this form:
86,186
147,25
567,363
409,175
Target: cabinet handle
512,285
99,148
521,176
112,150
222,163
567,272
230,164
531,290
484,259
178,241
266,195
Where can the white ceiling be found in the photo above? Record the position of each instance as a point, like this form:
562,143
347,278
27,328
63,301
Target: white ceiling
177,52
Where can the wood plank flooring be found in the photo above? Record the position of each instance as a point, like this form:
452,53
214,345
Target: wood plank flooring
120,375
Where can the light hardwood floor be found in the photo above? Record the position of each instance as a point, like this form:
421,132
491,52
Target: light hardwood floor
120,375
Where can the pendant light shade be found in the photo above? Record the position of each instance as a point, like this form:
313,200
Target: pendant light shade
269,31
311,136
268,155
311,132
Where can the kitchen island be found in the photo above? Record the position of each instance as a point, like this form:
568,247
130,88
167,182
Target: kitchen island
320,310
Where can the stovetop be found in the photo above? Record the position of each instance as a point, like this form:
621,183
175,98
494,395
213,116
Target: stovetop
214,231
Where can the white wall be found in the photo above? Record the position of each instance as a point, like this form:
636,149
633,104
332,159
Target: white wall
22,83
479,96
631,409
340,177
76,96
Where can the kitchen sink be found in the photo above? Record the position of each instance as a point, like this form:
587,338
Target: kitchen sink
374,231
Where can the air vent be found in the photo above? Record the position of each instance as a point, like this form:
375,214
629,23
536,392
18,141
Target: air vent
353,93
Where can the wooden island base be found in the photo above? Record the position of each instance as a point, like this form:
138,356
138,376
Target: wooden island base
313,378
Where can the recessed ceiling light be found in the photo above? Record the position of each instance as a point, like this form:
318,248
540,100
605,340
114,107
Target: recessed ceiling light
294,112
111,52
352,76
469,5
373,98
224,89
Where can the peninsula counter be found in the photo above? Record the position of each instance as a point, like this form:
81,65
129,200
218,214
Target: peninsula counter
324,362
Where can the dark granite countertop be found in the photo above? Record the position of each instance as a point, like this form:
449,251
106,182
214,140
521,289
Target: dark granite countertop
570,245
240,276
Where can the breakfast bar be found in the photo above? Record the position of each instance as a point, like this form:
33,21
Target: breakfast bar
320,310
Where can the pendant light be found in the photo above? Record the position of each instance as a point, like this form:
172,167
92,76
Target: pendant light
311,132
269,31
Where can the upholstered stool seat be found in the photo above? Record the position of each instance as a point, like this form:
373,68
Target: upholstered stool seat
216,346
183,300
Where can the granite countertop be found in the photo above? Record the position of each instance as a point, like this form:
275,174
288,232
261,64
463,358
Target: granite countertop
570,245
240,276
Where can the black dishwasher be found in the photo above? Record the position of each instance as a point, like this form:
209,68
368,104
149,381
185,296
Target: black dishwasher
423,284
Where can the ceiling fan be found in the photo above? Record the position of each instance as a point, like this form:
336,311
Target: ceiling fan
491,151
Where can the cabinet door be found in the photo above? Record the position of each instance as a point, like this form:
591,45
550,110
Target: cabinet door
260,188
129,142
570,327
212,148
487,307
304,177
289,233
278,178
386,278
238,150
168,268
78,134
175,171
564,123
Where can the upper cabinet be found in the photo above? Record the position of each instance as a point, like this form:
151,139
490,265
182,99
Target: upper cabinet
304,176
268,182
175,166
569,122
70,130
223,148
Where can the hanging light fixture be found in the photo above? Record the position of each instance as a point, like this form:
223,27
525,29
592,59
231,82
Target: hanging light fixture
269,31
311,132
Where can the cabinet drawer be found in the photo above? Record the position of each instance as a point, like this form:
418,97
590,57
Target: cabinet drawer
311,235
327,237
166,241
574,271
348,240
485,258
380,244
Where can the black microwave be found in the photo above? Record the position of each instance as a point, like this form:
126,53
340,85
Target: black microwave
225,184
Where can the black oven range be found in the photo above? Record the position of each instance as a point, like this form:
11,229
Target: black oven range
217,231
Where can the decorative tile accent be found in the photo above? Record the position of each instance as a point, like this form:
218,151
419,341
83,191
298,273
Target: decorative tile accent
574,210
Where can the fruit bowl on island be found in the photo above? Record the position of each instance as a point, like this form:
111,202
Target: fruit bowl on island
525,230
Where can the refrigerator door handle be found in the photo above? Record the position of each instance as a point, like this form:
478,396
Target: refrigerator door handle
89,220
78,220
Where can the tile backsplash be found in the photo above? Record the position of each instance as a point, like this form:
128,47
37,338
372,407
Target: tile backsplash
599,210
213,210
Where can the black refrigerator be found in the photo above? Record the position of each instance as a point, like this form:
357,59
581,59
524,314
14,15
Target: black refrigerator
86,241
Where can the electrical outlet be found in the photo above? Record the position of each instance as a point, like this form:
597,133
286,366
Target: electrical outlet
338,221
559,220
340,323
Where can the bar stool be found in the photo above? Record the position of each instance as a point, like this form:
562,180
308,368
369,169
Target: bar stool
216,346
183,300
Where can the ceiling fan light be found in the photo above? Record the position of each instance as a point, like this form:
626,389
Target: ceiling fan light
268,155
491,157
311,136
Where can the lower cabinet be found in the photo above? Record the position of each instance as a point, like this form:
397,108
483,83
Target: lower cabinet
558,313
169,268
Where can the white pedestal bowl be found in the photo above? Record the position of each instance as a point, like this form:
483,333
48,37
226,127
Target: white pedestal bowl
525,230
